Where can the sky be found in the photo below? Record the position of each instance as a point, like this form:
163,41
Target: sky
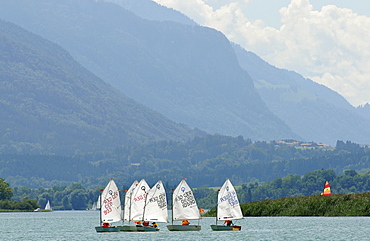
327,41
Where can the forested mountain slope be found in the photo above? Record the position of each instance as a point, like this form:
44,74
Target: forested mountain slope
190,74
313,111
50,104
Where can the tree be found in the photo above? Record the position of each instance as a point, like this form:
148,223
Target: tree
6,192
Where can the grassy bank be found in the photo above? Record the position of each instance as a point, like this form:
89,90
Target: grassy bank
317,205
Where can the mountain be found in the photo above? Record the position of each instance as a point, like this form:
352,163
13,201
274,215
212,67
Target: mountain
313,111
150,10
188,73
51,104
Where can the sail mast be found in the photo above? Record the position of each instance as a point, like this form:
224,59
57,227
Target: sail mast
101,222
146,196
172,204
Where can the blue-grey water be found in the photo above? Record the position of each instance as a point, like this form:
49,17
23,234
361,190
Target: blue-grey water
79,225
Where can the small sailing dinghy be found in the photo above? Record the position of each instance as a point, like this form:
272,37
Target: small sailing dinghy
228,208
127,207
48,206
184,207
326,189
110,208
155,209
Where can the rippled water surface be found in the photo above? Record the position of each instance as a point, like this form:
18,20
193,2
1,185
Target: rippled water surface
79,225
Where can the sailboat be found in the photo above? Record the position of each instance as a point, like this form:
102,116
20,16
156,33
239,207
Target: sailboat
184,207
228,208
110,208
155,209
48,206
326,189
127,207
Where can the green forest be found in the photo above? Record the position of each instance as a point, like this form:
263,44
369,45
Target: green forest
77,197
203,161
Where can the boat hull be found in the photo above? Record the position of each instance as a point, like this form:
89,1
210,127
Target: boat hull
226,228
101,229
128,228
146,229
184,227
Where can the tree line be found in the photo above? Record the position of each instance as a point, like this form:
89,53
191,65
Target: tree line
203,161
78,197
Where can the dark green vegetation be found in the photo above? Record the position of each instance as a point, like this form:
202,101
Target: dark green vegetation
316,205
50,104
204,161
310,184
6,193
305,188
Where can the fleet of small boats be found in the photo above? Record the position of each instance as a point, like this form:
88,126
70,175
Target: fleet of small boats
144,207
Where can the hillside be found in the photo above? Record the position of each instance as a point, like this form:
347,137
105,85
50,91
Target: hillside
188,73
50,104
313,111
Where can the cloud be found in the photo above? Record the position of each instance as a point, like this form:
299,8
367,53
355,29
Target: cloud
330,46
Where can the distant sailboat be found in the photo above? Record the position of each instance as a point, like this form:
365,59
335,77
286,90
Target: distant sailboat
110,210
184,207
48,206
326,189
228,208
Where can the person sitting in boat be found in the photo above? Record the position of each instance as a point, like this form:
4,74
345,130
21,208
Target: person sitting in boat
185,222
146,223
228,223
106,224
138,222
154,225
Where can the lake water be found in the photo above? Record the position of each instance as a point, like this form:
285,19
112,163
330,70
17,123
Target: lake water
79,225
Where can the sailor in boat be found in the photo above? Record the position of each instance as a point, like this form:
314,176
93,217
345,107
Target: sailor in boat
138,222
185,222
145,223
154,225
228,223
106,224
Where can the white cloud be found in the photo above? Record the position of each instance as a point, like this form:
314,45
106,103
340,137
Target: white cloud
330,46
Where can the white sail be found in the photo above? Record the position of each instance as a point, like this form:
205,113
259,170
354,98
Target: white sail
98,203
128,201
184,204
156,204
47,206
228,207
138,200
111,204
